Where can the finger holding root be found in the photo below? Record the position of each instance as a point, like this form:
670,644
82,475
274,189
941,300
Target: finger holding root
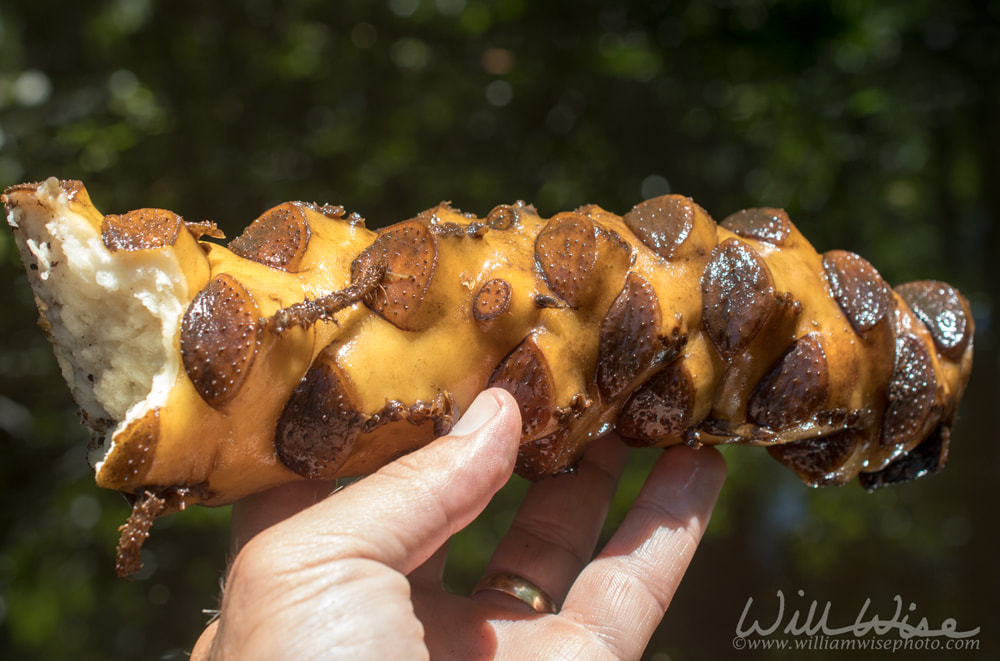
623,594
309,347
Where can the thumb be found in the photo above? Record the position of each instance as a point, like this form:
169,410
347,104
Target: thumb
401,514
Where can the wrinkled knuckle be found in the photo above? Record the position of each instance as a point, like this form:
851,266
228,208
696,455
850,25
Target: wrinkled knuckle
606,474
336,545
250,576
414,479
583,643
553,535
658,592
667,517
253,560
408,471
354,570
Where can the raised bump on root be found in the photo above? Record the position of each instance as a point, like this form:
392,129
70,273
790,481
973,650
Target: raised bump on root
737,297
409,249
278,238
859,289
219,339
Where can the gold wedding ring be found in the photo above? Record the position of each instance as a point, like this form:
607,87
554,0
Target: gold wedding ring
519,588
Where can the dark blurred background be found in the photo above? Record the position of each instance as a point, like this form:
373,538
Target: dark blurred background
875,124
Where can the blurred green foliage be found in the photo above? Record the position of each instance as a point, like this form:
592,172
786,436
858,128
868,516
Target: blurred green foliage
874,124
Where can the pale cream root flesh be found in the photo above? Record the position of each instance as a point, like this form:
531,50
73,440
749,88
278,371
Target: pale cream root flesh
113,318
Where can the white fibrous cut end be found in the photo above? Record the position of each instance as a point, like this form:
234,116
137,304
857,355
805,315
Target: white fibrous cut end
112,317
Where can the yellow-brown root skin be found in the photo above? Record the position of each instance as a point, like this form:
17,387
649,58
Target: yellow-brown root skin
313,347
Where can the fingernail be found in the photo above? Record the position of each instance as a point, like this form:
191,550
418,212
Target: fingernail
481,411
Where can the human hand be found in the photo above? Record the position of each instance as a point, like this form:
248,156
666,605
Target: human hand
357,574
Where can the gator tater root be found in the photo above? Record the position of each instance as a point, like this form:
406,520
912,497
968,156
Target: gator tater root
311,347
